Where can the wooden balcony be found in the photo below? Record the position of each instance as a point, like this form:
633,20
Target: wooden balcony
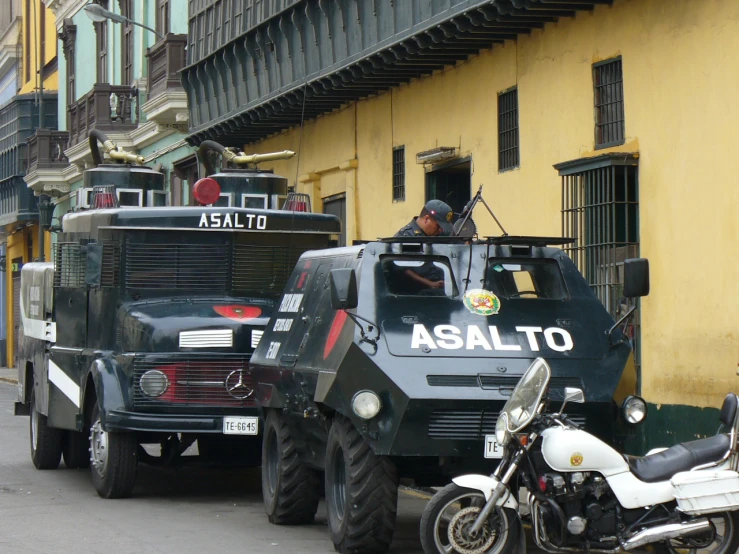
46,150
166,59
109,108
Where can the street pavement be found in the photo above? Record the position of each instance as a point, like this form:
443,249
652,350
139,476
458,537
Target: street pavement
185,510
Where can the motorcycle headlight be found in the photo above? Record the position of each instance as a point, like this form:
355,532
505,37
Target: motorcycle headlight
366,404
501,430
634,409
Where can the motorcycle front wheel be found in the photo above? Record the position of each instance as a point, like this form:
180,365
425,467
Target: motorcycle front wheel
450,514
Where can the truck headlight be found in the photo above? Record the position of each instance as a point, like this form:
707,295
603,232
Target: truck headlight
366,404
634,409
154,383
502,436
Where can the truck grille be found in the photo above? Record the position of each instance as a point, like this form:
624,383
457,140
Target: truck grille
469,424
196,381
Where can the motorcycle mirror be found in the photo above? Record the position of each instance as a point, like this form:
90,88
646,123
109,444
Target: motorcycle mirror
572,395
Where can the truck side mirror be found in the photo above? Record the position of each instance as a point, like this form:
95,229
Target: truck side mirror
636,277
343,289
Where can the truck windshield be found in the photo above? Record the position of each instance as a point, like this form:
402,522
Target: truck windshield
525,278
418,276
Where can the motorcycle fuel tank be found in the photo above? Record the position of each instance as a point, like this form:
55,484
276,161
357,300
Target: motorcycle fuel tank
569,449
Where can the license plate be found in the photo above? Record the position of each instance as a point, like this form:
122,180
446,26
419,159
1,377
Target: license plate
240,425
492,448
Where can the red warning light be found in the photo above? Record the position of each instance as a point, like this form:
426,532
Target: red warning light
206,191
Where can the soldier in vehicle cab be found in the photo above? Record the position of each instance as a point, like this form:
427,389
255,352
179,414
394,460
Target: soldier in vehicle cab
435,219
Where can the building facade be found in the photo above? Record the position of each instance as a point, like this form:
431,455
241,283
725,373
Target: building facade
28,100
121,79
608,121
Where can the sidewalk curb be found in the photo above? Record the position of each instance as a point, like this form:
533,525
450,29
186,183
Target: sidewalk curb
9,380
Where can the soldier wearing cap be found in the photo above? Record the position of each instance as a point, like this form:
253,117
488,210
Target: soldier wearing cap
435,219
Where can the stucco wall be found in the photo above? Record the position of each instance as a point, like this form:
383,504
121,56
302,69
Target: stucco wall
681,117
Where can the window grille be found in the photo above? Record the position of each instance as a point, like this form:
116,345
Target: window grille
508,129
70,265
399,173
608,87
600,209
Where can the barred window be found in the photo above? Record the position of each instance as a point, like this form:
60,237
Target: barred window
608,87
508,129
600,209
399,173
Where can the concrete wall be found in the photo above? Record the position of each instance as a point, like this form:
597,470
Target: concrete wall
681,116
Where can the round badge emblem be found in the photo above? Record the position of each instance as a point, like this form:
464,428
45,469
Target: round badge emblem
481,302
576,459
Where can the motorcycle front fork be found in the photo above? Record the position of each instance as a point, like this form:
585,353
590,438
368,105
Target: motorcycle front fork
502,486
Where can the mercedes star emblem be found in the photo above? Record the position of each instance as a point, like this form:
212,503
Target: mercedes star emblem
235,385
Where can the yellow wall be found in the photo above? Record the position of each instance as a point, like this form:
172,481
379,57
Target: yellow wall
17,247
680,83
32,21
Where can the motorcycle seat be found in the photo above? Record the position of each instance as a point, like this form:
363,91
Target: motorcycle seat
681,457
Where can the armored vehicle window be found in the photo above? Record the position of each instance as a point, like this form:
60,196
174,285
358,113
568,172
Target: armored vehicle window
418,276
177,266
263,263
532,278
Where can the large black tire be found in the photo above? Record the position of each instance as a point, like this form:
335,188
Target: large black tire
290,489
504,536
725,539
113,458
76,449
46,442
361,492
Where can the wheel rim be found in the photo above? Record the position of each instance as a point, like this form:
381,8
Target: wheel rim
338,486
717,542
98,448
272,461
34,428
458,515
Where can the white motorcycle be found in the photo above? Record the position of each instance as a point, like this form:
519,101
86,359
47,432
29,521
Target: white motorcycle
583,496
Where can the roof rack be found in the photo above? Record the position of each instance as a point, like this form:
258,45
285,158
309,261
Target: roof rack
527,241
500,241
425,240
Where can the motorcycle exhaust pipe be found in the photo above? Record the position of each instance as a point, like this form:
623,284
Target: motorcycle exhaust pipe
666,532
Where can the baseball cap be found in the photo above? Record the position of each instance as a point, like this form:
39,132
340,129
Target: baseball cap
443,214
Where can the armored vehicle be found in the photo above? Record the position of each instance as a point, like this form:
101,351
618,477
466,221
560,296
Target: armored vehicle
367,375
140,332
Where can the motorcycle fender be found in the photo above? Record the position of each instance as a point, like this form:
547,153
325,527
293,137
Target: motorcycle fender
486,485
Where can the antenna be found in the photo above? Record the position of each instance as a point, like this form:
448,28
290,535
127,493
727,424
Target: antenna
471,206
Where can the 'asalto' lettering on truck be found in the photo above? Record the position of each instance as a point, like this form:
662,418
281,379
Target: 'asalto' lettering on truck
237,220
450,337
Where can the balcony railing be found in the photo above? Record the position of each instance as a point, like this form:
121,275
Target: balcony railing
166,58
46,150
109,108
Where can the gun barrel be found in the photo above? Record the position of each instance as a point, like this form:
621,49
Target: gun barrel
257,158
126,157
